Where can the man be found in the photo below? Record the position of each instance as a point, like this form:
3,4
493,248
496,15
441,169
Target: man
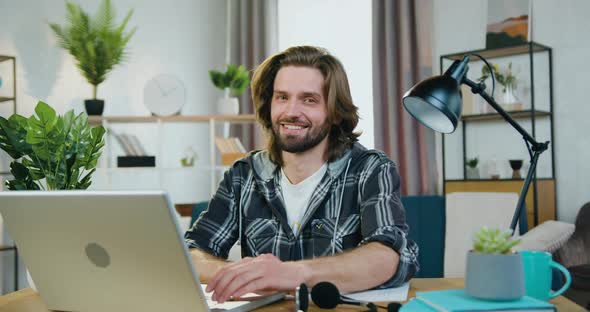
316,205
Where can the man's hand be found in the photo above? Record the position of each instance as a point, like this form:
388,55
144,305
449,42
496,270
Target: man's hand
265,272
208,265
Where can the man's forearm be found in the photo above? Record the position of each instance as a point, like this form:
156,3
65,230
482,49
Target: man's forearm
359,269
206,264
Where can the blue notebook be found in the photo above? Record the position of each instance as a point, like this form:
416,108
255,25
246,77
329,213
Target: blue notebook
455,300
415,305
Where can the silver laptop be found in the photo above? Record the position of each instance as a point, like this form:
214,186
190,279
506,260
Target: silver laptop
106,251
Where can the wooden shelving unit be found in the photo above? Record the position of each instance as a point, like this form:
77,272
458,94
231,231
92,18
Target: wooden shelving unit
541,198
513,114
526,48
211,120
178,118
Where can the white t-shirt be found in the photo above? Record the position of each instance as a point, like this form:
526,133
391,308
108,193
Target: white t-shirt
297,196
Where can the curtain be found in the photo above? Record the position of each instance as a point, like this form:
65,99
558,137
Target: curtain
253,39
402,56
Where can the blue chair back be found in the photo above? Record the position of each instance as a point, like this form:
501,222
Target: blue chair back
425,216
198,208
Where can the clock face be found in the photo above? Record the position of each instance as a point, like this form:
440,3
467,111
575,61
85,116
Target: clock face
164,95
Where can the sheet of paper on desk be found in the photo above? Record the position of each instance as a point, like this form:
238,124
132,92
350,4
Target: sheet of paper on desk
379,295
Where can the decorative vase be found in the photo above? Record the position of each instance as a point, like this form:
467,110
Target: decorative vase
228,105
493,171
494,277
472,173
94,107
516,164
508,97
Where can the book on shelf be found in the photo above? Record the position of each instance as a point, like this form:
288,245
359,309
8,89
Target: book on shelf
135,154
456,300
231,149
129,143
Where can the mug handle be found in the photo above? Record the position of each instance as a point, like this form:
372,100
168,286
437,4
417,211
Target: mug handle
566,274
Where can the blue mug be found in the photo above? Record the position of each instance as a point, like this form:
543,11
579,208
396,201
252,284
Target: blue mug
538,267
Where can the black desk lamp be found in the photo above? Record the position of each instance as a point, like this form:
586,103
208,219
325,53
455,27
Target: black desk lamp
436,103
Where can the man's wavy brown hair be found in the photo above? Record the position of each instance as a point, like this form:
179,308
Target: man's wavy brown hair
342,113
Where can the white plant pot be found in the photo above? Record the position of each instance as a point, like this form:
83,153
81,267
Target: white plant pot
472,173
508,96
228,106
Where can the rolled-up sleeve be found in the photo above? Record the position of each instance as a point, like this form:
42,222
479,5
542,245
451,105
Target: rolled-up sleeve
383,220
216,230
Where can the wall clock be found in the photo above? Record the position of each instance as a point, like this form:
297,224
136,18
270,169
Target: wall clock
164,95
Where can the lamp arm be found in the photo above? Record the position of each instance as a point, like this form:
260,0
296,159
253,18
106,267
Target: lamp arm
524,191
538,148
477,88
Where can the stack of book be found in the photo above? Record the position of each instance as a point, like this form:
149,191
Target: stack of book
231,149
135,154
455,300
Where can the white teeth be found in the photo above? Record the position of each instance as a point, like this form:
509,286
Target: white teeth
292,127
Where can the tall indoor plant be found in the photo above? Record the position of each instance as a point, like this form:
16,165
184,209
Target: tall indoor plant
233,82
51,152
97,44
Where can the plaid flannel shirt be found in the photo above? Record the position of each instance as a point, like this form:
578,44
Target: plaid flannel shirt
370,211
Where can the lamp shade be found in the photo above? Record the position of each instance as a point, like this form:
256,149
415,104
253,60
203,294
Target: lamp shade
435,102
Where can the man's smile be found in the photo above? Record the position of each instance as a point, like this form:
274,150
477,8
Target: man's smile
292,128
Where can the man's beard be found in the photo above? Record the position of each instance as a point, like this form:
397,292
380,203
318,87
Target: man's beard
293,144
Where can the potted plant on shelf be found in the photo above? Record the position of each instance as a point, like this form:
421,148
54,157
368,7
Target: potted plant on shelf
51,152
233,82
472,172
97,44
508,81
493,271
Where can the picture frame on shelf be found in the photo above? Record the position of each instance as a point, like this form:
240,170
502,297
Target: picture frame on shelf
508,23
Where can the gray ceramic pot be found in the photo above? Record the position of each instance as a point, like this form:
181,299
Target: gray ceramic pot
494,277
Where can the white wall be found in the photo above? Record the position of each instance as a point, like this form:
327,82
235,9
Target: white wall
459,25
184,38
344,28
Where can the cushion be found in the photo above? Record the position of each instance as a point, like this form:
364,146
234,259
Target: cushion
547,236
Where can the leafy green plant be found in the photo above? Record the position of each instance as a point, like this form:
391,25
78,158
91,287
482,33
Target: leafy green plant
472,162
494,241
506,79
51,152
235,78
97,43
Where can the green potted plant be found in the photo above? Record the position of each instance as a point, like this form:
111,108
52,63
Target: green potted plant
97,44
508,81
472,172
50,152
493,271
233,82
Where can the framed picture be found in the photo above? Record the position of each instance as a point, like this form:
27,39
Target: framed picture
508,23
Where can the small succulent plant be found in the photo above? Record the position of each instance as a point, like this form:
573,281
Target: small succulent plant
494,241
472,162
